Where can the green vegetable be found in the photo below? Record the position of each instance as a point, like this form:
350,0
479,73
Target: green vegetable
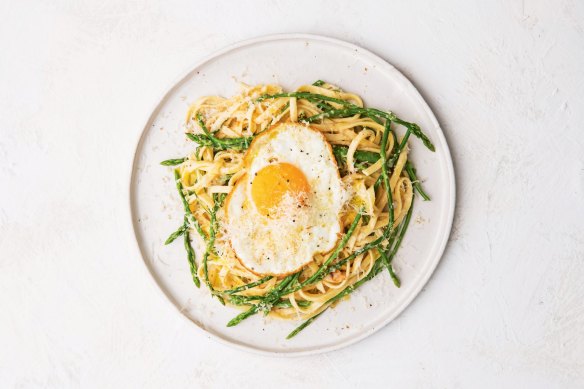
213,140
181,230
188,219
220,143
377,267
394,276
267,302
211,248
248,286
411,170
348,290
313,97
362,158
191,258
275,298
389,267
384,175
351,109
280,304
385,178
321,272
402,232
302,326
173,162
395,153
288,304
244,315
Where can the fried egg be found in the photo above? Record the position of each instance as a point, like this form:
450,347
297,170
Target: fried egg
286,208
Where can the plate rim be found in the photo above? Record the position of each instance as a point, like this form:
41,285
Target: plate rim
295,36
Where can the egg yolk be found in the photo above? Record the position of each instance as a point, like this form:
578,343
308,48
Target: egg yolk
273,182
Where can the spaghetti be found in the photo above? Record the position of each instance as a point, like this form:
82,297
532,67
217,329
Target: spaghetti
370,159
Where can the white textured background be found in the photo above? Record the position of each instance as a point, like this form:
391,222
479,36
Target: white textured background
505,307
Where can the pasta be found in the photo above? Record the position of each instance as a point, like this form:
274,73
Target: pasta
374,221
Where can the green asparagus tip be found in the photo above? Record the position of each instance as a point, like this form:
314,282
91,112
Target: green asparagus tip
172,237
173,161
394,276
303,326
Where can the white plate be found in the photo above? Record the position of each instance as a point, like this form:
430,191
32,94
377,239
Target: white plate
290,60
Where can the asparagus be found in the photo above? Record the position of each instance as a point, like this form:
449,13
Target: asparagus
209,248
188,219
362,158
396,152
385,178
288,304
307,96
303,325
271,297
321,272
377,267
172,237
281,290
384,174
389,267
374,271
394,277
248,286
411,170
191,258
241,143
402,232
220,144
173,161
350,109
279,304
240,300
213,140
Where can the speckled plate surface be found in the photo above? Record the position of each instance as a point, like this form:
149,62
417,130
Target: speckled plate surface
289,60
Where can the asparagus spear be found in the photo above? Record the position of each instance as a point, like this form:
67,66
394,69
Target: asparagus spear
271,297
290,284
191,258
377,267
351,109
248,286
411,170
172,237
173,161
188,219
321,272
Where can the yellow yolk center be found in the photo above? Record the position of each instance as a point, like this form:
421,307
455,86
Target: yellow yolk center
273,182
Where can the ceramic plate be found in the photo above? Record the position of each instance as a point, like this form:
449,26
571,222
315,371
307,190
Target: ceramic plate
289,60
